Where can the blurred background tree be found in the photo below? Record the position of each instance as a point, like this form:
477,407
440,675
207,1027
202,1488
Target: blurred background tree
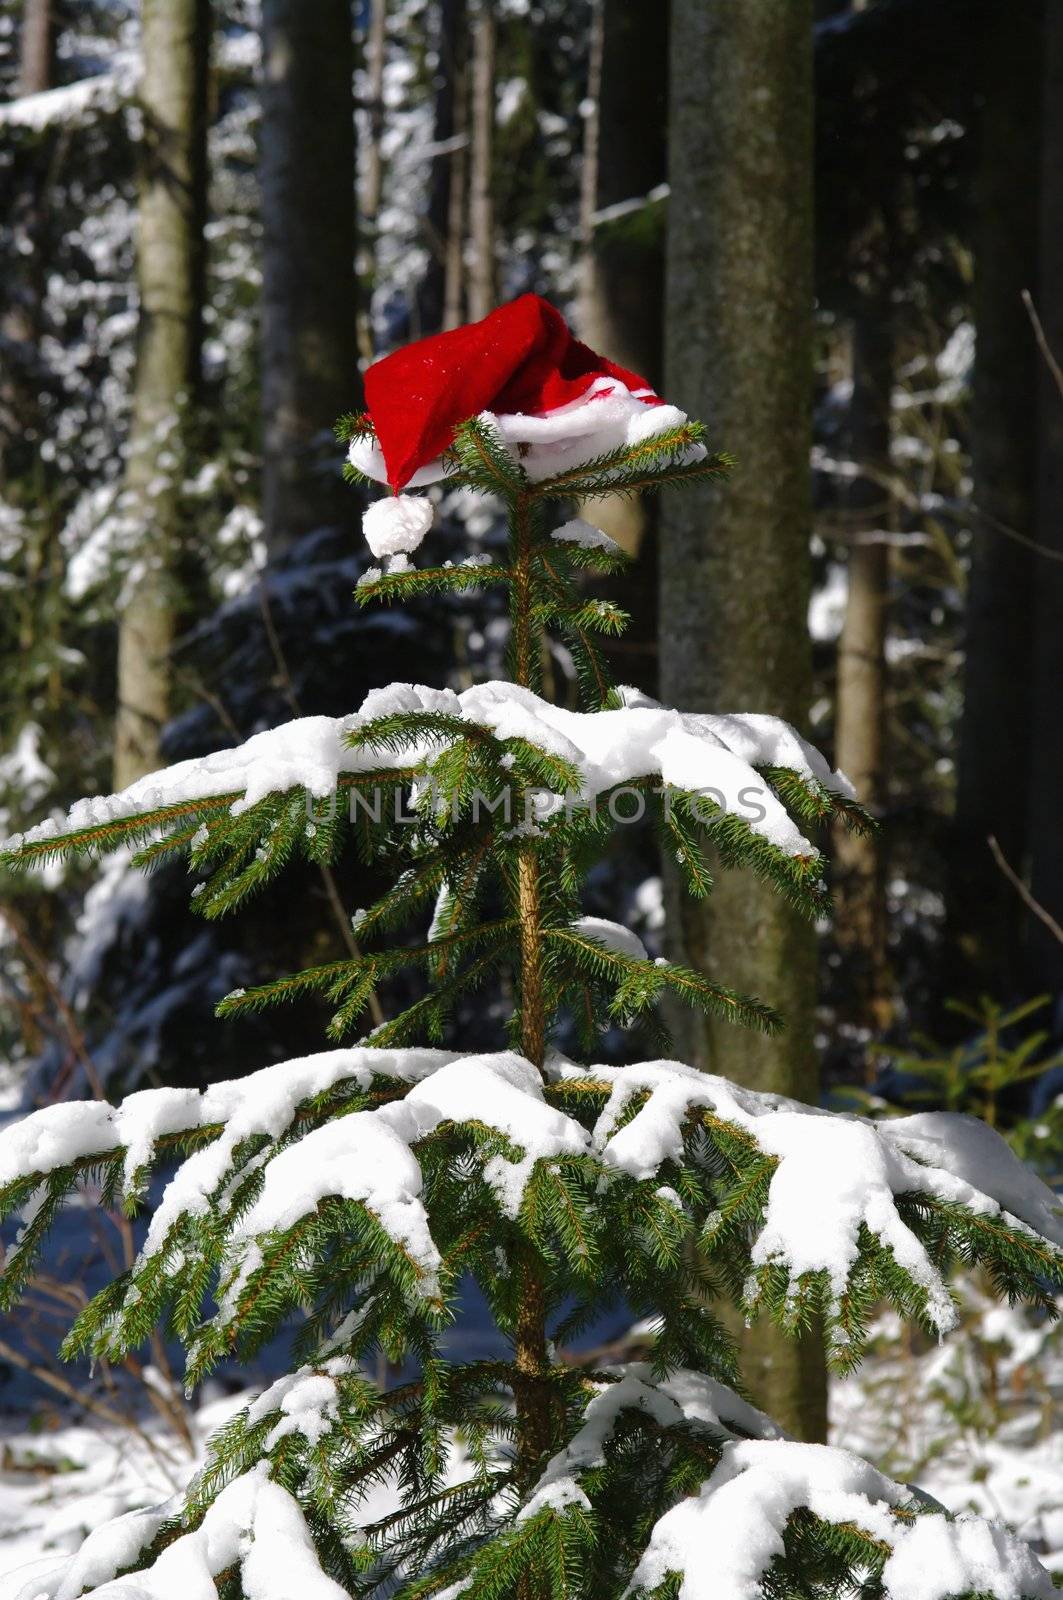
734,565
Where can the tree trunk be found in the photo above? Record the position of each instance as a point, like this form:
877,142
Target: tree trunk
447,133
375,52
36,56
591,164
27,219
734,558
621,289
621,285
309,341
860,919
992,789
622,266
1045,963
483,285
170,261
457,192
20,329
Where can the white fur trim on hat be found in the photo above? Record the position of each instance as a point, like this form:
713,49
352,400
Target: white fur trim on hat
365,454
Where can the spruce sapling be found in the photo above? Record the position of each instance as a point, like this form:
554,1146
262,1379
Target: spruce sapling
352,1192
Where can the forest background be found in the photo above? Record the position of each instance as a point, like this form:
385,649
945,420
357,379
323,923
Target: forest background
835,232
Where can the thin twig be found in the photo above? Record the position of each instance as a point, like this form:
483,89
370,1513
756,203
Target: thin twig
1042,342
63,1386
343,923
1013,533
170,1406
280,660
332,893
214,700
1023,892
45,1373
896,485
75,1037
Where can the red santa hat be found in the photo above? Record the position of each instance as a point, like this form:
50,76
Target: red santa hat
521,362
520,358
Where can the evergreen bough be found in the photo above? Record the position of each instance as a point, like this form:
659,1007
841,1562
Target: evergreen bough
356,1189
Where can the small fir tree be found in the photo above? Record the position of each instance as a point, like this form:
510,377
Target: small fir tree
360,1186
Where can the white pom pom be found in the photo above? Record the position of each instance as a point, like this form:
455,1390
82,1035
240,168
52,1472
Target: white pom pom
396,525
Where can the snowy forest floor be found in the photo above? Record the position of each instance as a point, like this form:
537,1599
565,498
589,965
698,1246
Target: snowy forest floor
973,1422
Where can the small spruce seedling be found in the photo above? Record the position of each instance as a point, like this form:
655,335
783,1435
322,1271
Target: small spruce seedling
354,1192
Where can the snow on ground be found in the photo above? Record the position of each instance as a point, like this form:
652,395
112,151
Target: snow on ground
975,1421
970,1421
61,1479
59,1485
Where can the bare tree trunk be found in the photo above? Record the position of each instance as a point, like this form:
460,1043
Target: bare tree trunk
860,736
375,51
992,790
1044,969
170,262
483,285
21,325
454,285
734,558
441,226
621,286
625,159
374,56
621,516
589,171
309,300
36,57
20,318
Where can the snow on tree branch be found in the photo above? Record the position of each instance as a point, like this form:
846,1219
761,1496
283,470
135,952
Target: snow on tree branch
712,755
835,1174
723,1540
817,1187
74,103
